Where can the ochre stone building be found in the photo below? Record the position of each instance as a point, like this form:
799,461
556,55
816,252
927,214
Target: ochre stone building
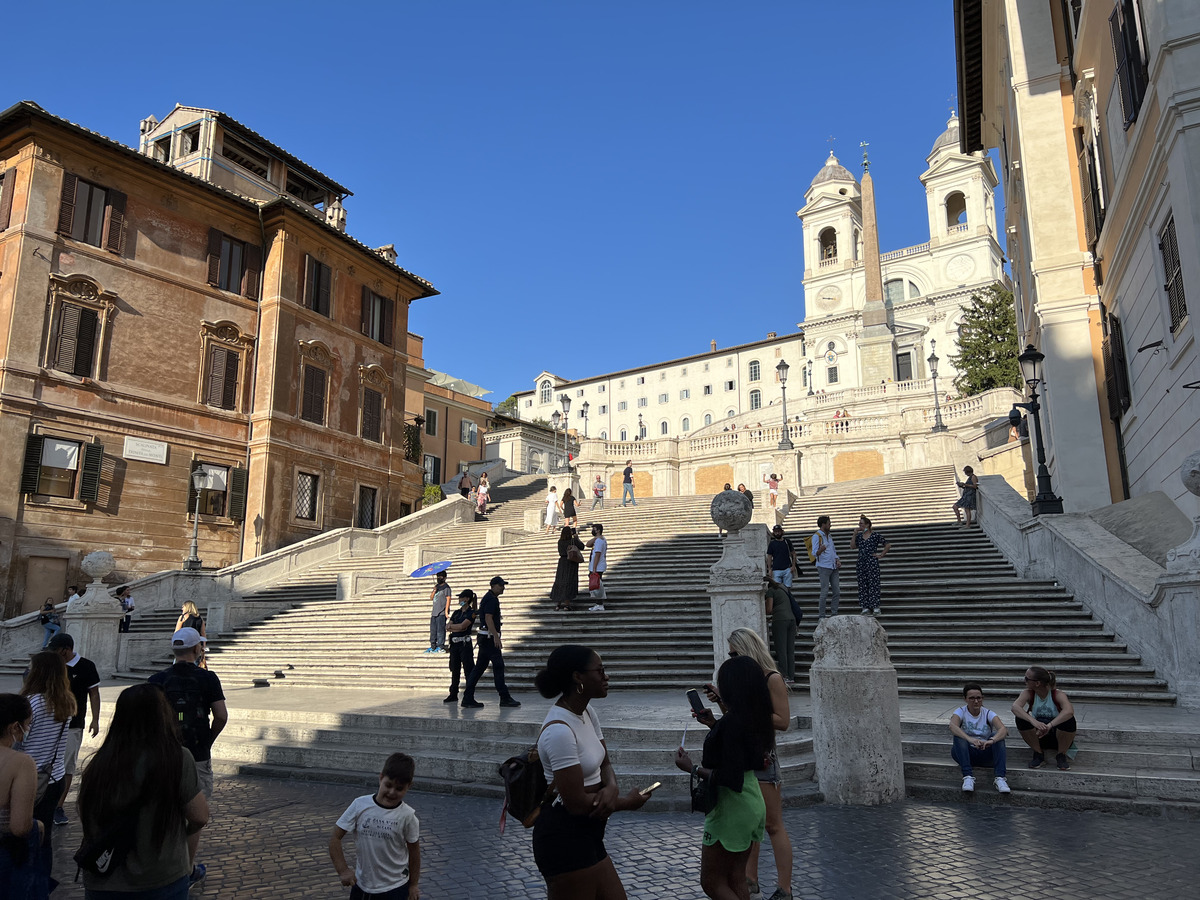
167,322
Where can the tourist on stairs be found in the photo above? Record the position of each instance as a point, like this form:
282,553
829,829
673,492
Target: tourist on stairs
490,647
966,503
440,595
1045,718
979,740
566,576
568,836
871,547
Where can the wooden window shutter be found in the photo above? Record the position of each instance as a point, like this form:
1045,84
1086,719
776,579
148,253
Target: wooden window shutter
32,468
239,480
85,342
372,414
214,256
7,188
193,496
66,209
365,320
324,288
89,481
388,317
230,377
312,408
114,223
1120,364
251,270
68,336
222,378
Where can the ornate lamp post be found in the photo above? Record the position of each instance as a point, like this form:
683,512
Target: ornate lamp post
1031,371
938,425
554,453
566,420
199,480
586,407
641,427
786,442
810,387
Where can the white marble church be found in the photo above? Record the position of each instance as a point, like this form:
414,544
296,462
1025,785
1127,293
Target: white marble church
841,343
925,287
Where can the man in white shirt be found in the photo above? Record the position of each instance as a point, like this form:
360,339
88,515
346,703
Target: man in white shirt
598,563
979,740
828,565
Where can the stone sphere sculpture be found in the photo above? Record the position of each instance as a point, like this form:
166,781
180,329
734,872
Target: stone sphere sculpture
98,564
732,510
1189,474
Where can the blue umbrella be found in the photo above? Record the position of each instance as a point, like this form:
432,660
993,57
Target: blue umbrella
431,569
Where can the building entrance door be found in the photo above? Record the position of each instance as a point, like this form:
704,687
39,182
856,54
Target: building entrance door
46,577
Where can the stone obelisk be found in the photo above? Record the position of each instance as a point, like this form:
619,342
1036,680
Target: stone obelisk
876,345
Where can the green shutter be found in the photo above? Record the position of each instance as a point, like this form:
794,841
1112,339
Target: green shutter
33,464
238,481
89,482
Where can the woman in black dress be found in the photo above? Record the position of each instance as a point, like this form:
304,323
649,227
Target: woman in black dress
566,576
570,517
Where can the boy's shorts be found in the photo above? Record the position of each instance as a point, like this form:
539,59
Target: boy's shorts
400,893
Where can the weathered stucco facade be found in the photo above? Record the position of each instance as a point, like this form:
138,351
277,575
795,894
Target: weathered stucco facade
153,324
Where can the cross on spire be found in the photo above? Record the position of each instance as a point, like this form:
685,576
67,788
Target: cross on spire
953,101
866,161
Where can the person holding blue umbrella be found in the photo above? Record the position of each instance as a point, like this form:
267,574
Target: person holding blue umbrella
440,595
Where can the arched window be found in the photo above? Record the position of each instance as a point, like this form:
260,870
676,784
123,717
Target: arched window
604,435
828,241
913,290
642,430
708,418
545,394
624,435
893,291
755,370
730,414
756,399
686,425
956,209
662,427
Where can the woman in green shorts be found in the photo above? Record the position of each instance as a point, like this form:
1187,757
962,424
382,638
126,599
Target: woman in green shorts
735,747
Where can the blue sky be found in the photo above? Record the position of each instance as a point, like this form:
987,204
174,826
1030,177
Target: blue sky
591,185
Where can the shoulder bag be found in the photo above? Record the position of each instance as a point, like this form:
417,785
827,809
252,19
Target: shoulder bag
44,782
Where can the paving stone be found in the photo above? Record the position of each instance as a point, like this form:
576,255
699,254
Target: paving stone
268,840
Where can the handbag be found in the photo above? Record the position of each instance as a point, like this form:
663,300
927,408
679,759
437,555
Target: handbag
573,555
44,782
704,794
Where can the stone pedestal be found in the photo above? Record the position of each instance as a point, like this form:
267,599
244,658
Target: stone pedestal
735,588
856,713
93,619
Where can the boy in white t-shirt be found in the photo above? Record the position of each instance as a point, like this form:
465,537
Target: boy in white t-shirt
386,833
979,740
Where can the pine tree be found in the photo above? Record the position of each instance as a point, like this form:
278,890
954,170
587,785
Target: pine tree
987,343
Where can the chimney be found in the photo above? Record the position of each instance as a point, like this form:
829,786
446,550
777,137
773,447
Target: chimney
714,346
771,334
388,252
335,215
147,125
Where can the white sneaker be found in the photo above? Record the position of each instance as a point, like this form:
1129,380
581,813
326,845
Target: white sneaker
599,607
1001,786
968,782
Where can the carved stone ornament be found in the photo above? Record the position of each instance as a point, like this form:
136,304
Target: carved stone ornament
95,173
374,376
1185,559
353,270
225,331
81,289
169,201
377,286
98,564
323,253
317,352
84,290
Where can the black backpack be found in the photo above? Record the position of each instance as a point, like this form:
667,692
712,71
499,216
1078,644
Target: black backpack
525,787
191,711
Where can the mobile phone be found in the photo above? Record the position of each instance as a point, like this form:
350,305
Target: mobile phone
647,791
694,699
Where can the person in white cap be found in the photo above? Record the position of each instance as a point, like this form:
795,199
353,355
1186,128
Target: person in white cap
194,695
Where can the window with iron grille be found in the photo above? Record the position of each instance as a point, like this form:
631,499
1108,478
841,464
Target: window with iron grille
1173,274
365,515
306,495
831,375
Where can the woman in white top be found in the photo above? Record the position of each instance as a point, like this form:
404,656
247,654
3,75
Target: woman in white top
553,507
49,693
568,836
481,494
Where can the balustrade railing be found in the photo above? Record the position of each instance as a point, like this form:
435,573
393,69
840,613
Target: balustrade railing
907,251
827,262
957,229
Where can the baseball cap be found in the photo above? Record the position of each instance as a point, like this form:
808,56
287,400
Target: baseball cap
497,580
186,637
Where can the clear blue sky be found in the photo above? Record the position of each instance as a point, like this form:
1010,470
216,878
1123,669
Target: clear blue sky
591,185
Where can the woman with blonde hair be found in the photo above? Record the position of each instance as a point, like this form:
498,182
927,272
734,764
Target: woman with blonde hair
190,618
746,642
50,699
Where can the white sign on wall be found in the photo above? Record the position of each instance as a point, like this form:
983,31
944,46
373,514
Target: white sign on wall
146,450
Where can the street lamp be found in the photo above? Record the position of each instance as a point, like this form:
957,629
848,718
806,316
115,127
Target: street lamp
938,426
1031,371
199,480
782,370
641,427
586,407
554,453
810,388
566,420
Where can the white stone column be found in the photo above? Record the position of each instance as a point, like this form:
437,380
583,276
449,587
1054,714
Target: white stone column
856,713
93,619
735,588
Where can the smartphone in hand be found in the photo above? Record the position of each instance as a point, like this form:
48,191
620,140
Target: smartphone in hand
647,791
698,707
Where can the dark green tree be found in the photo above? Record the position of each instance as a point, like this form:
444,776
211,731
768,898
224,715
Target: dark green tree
508,407
987,343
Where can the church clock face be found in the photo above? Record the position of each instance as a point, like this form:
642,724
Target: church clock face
830,298
960,268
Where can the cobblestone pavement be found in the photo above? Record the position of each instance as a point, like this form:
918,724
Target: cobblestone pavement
268,840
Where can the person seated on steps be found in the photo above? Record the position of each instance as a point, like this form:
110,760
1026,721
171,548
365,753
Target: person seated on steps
979,740
1045,718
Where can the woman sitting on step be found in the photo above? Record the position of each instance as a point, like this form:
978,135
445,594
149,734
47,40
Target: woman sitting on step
566,576
1045,718
568,836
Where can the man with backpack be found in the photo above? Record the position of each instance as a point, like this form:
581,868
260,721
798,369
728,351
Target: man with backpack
194,694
